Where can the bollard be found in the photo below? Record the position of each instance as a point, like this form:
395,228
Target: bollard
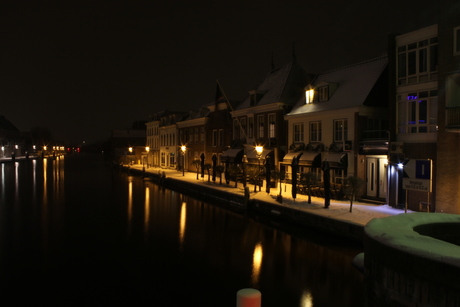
248,298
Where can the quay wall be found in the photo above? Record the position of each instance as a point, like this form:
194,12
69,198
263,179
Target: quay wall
240,203
412,260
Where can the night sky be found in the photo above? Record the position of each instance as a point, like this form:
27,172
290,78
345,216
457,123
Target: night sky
83,68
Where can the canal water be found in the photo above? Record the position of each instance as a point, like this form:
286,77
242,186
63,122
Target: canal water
73,232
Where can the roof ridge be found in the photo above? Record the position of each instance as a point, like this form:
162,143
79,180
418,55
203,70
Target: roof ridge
356,64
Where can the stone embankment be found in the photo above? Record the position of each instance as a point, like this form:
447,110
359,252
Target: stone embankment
244,202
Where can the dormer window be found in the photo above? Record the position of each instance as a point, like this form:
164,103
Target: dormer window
323,93
309,95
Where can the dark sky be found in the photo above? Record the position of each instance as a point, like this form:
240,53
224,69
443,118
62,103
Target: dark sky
83,68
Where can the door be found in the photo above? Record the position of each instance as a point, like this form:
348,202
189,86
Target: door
376,177
372,177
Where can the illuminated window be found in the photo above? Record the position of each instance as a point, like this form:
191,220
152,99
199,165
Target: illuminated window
271,125
417,112
309,95
298,133
172,160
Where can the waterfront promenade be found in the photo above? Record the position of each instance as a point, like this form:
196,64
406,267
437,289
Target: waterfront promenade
361,214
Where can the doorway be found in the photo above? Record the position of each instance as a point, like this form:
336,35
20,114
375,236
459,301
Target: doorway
376,177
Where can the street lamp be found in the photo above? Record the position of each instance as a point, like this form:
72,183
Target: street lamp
259,150
147,149
183,148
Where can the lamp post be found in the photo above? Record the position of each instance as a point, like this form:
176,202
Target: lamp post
183,148
147,149
259,150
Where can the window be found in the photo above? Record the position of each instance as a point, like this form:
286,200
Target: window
418,61
236,129
417,112
271,125
202,134
323,93
251,127
214,138
457,41
261,124
172,161
163,159
315,131
196,134
221,137
298,133
309,95
243,128
340,130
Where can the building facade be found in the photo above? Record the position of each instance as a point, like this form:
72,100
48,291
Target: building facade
342,118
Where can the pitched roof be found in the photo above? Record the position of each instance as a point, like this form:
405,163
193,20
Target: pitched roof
353,84
284,84
6,124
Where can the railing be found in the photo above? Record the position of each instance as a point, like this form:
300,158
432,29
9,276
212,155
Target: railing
368,135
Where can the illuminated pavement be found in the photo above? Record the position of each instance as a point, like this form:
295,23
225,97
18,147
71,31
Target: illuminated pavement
361,213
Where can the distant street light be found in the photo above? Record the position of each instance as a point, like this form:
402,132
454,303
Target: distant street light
259,150
183,149
147,149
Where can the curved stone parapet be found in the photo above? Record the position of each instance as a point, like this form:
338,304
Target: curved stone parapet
413,260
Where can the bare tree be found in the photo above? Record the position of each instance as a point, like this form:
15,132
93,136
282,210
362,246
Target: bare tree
197,163
353,189
307,180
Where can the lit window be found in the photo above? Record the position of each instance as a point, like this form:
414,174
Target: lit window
271,125
309,95
418,112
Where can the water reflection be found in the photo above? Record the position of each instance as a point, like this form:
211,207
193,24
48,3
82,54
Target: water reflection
183,218
256,264
135,242
130,204
306,299
146,212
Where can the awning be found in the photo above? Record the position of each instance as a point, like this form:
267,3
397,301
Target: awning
373,148
290,155
336,160
309,158
233,155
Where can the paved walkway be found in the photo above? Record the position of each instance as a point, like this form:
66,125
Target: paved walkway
339,210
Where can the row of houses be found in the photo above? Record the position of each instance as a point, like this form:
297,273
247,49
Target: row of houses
367,119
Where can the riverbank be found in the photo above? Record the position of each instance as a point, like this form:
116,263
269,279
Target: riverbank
336,219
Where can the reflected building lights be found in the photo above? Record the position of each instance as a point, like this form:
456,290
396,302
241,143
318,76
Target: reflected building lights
45,190
183,218
130,203
147,211
307,299
256,263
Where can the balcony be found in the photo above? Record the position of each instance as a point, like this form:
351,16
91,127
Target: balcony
374,135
